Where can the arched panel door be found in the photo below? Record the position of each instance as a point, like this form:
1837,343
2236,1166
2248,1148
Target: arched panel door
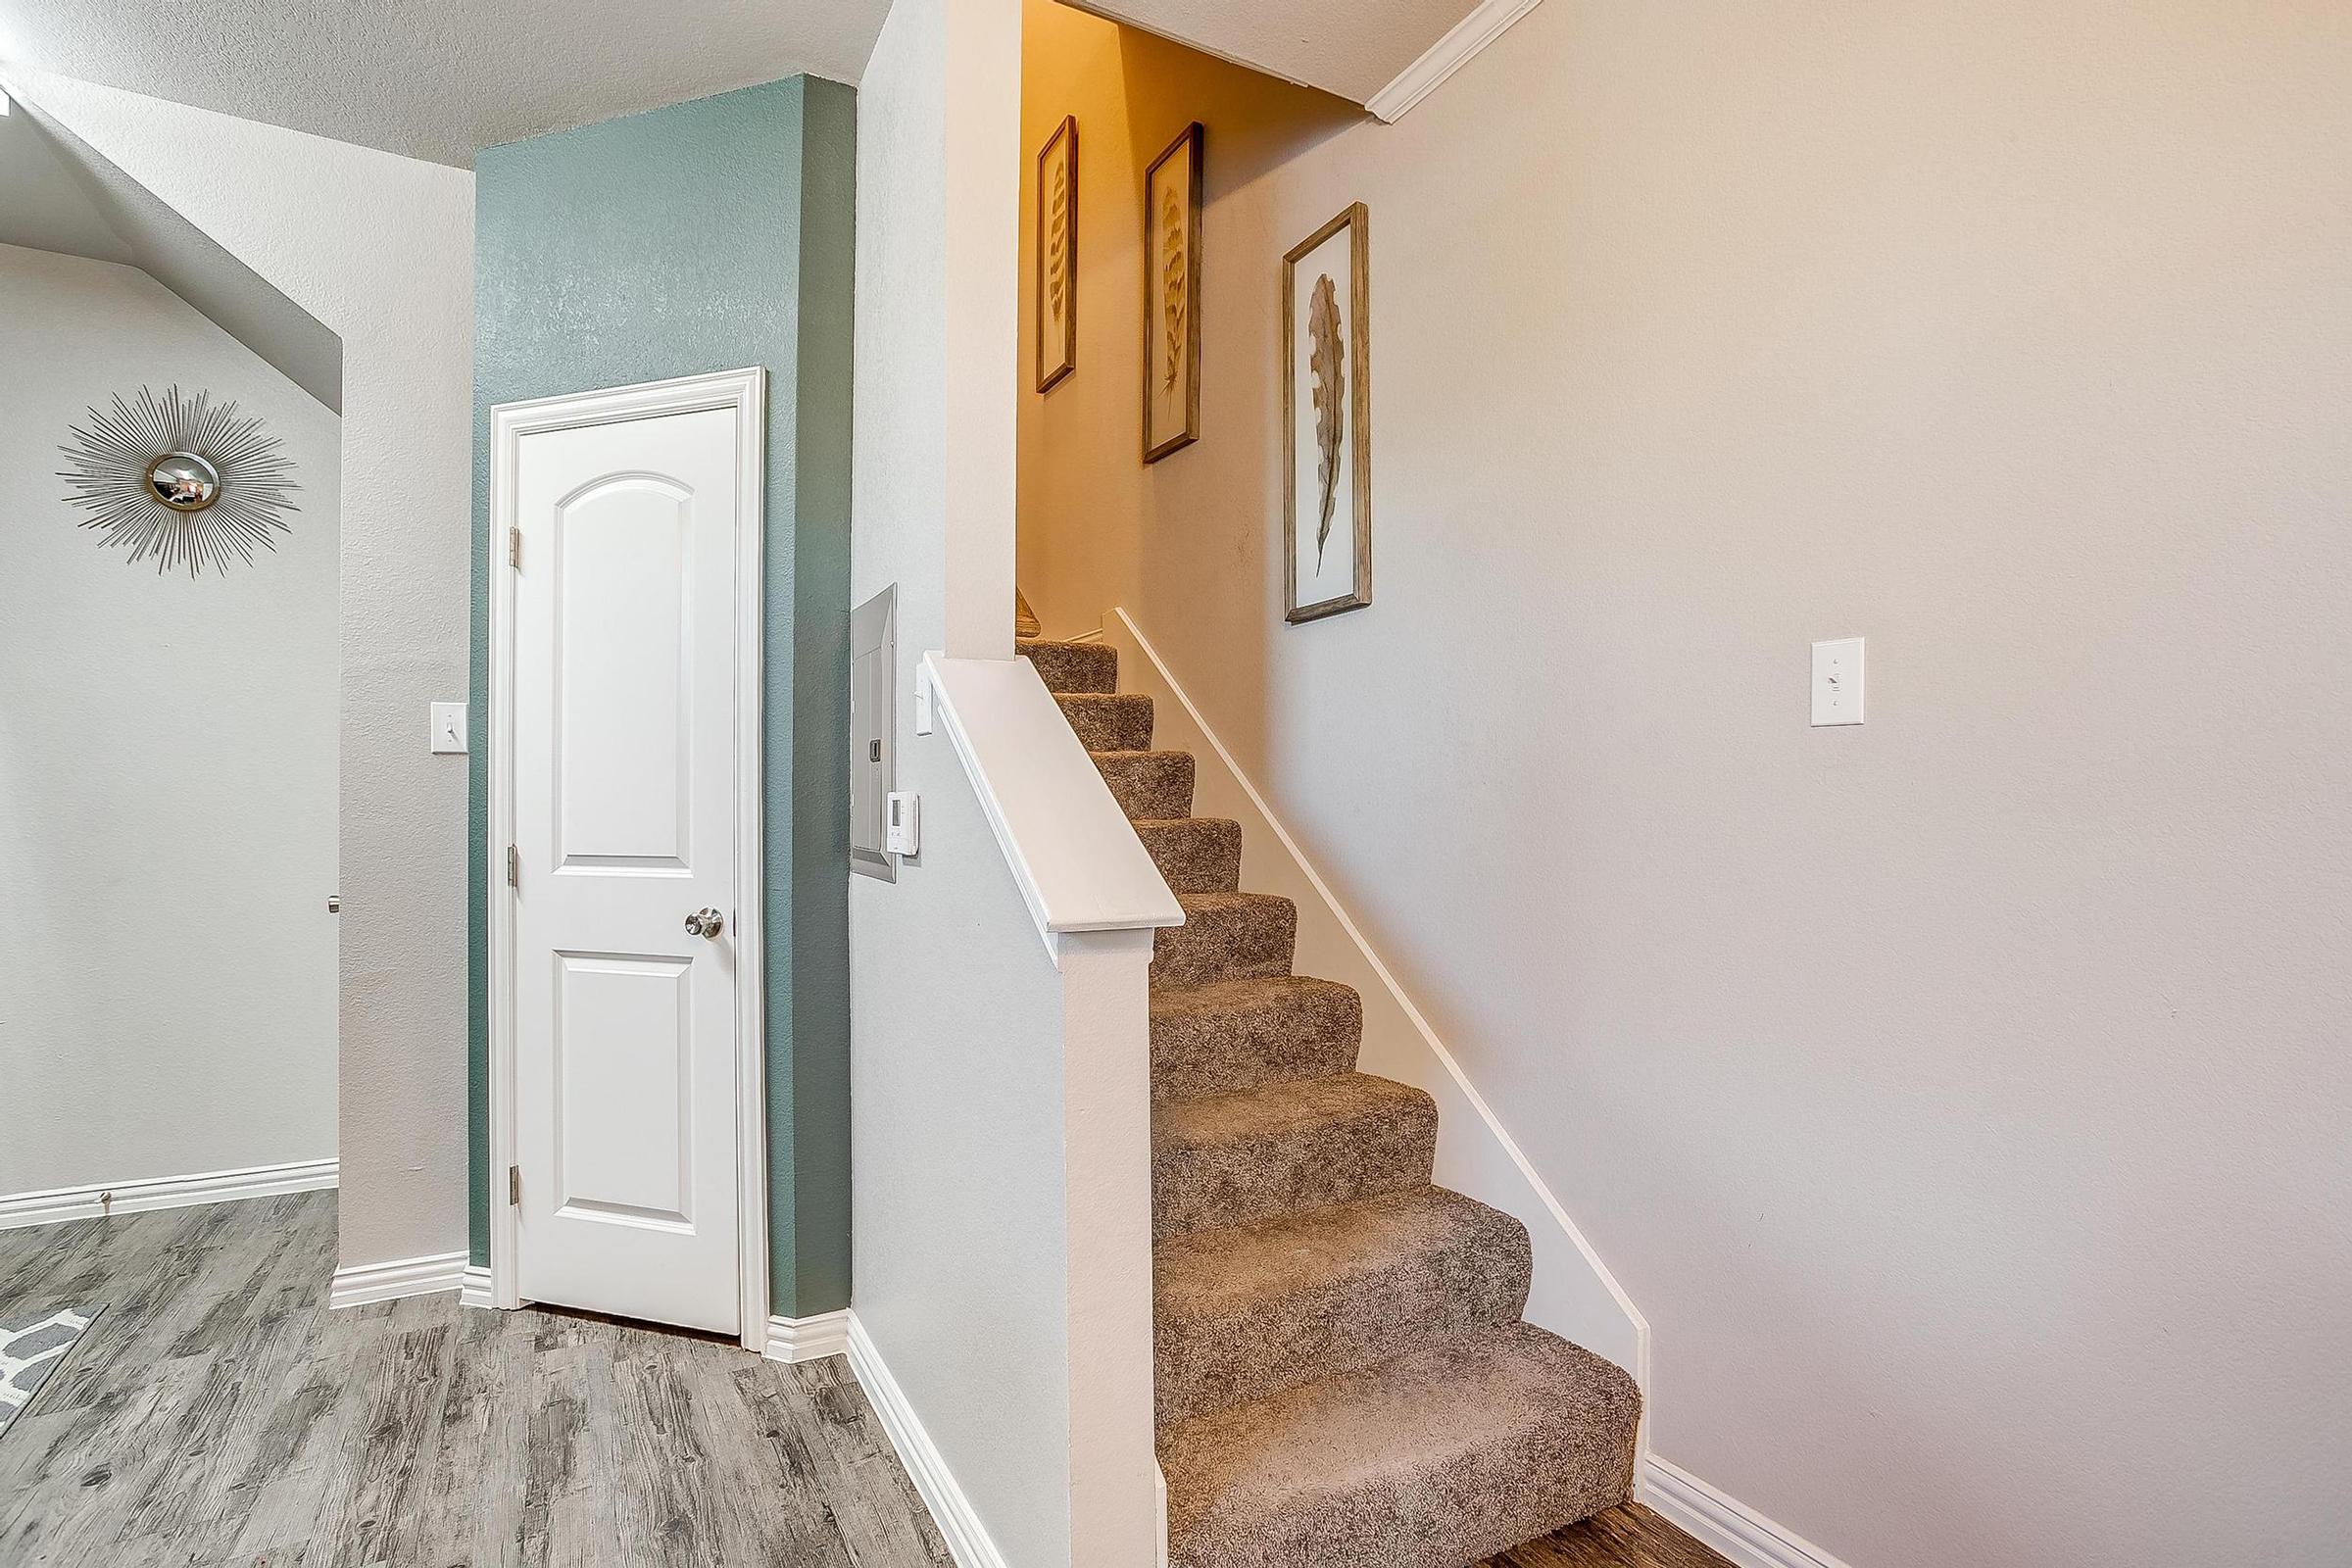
625,780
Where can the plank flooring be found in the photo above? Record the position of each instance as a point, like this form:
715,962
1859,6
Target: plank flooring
1630,1536
218,1415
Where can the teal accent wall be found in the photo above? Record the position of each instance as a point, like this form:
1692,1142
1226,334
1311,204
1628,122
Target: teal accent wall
707,236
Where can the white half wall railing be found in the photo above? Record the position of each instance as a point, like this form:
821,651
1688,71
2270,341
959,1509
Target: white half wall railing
1080,867
1002,1320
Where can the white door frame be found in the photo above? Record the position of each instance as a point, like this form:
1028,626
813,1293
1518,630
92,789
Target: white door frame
745,392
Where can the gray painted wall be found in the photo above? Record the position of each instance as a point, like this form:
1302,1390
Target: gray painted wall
167,772
381,248
1964,1097
700,238
44,203
963,1260
59,193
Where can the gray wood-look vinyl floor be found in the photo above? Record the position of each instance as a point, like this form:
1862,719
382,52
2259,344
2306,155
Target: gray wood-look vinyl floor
220,1416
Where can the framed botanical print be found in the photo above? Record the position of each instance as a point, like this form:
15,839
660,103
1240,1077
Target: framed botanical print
1172,297
1057,254
1327,420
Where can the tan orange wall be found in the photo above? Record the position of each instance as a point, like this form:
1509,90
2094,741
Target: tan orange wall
1097,527
1962,1097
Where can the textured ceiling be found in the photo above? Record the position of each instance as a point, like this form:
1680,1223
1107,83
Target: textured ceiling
1350,48
438,79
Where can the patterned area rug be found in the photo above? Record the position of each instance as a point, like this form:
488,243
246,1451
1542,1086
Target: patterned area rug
32,1348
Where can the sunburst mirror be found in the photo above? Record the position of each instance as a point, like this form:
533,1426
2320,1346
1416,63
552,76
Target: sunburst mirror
184,482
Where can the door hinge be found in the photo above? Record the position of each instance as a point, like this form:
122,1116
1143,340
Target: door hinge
515,1186
513,546
513,866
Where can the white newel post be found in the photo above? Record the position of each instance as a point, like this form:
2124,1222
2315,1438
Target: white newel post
1106,1125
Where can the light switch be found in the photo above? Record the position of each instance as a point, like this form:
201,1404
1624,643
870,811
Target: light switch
449,726
1838,682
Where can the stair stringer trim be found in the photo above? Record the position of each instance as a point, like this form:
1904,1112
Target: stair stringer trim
1575,1295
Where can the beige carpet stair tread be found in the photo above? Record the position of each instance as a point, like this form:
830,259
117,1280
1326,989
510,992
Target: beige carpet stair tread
1154,785
1340,1377
1236,1160
1072,667
1107,722
1225,936
1248,1311
1434,1459
1194,854
1245,1034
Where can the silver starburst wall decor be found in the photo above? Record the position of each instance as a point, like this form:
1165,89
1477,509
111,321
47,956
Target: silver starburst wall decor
182,481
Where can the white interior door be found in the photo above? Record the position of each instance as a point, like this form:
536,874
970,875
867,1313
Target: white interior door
625,816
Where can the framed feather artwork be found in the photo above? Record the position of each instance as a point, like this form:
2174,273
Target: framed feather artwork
1057,254
1172,297
1327,420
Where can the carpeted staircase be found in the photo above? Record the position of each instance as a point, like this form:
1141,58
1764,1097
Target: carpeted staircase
1343,1379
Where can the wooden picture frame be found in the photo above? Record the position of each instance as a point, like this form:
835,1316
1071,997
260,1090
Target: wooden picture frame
1335,364
1172,297
1056,281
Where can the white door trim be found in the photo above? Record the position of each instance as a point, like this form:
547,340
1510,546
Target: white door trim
745,392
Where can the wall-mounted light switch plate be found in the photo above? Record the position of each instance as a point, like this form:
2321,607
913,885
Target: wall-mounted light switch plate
924,698
449,726
1838,682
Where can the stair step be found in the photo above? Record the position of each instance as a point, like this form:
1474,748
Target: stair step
1149,785
1248,1311
1432,1460
1225,936
1072,667
1264,1154
1244,1034
1194,854
1110,723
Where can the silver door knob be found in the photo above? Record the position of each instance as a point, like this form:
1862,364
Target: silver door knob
705,923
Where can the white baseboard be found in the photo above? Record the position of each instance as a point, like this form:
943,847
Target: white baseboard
61,1203
1160,1489
807,1338
389,1282
473,1286
1725,1524
949,1509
